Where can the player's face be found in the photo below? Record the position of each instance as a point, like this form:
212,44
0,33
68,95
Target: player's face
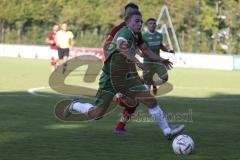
64,26
151,25
135,23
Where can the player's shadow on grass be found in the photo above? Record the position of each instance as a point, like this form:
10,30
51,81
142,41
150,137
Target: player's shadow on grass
29,129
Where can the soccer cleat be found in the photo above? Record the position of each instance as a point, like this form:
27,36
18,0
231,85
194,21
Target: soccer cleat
175,131
68,110
120,131
155,90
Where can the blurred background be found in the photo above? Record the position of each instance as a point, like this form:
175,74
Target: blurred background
202,26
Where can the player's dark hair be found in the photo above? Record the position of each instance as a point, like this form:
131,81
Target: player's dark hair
136,12
131,5
150,19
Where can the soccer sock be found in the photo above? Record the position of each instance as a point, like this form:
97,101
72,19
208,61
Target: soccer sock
120,126
82,107
126,115
158,116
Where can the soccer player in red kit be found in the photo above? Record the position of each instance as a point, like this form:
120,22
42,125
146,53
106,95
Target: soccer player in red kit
53,46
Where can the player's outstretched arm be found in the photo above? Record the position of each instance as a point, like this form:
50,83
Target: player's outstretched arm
124,48
165,49
154,57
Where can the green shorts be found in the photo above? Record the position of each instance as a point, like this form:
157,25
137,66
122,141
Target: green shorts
119,76
154,67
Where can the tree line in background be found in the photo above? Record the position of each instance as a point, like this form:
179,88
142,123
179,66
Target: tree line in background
206,26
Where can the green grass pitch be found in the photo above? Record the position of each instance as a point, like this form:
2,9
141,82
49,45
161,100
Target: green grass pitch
30,131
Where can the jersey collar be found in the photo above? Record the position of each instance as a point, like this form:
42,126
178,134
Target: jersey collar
151,32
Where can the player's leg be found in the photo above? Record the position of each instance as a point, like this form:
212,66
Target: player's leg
54,57
157,114
53,63
133,88
120,72
130,106
102,102
161,70
154,109
93,111
65,59
60,55
148,76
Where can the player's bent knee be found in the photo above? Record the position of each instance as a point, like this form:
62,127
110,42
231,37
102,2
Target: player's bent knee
165,78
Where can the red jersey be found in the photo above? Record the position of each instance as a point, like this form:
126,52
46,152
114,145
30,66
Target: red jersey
113,33
51,37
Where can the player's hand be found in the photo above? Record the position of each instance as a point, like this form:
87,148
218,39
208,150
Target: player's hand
167,63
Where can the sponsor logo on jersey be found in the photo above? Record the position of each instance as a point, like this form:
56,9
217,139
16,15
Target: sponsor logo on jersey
155,43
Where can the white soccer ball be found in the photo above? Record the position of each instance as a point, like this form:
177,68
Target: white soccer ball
183,144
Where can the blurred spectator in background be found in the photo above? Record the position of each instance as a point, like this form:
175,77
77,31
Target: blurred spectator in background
53,46
64,41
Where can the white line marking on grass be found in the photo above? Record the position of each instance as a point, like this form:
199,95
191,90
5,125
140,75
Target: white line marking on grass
12,95
206,88
32,91
186,99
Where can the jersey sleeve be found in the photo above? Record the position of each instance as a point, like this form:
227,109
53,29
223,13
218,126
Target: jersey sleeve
124,34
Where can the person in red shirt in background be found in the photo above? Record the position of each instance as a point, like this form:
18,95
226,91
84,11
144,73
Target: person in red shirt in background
119,98
53,46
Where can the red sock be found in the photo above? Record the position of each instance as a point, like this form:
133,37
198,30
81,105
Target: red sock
127,113
120,126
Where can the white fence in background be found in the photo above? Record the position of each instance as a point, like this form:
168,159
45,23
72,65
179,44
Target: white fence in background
186,60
